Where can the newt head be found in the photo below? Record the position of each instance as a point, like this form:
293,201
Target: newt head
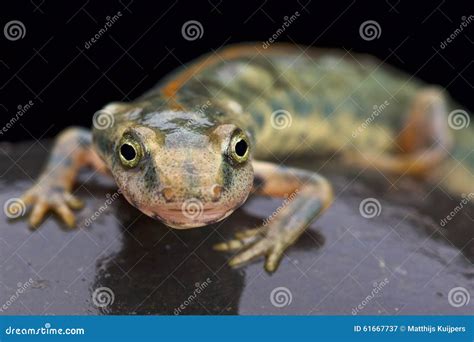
181,168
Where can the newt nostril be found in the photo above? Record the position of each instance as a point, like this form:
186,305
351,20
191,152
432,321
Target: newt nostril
216,192
168,194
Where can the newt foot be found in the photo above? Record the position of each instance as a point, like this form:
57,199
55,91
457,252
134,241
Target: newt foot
257,242
49,197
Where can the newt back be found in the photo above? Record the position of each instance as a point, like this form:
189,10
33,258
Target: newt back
319,96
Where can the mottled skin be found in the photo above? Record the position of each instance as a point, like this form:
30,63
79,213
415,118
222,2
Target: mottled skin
188,171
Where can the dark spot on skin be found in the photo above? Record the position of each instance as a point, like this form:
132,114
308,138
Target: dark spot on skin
189,167
258,182
259,119
190,174
151,176
227,175
303,107
103,144
328,109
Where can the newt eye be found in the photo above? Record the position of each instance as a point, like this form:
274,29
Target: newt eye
130,152
239,147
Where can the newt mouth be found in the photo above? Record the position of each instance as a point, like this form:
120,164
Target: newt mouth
191,217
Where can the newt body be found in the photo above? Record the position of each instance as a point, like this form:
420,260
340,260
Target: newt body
186,152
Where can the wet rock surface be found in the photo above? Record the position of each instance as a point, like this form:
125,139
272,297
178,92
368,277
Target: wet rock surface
400,261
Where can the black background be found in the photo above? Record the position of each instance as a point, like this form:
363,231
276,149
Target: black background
68,83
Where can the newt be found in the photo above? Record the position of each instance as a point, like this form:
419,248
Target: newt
191,150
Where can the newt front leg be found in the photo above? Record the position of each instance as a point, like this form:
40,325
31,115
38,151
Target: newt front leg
71,151
308,195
